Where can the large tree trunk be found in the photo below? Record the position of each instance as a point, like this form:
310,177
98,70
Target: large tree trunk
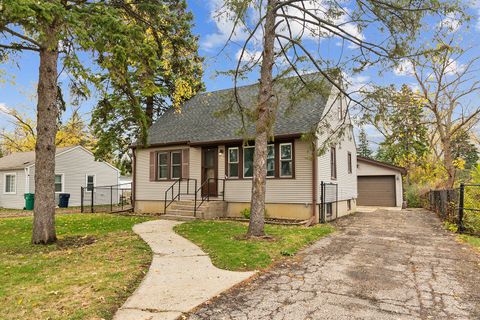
265,116
47,113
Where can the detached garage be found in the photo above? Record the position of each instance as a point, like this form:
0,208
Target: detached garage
379,184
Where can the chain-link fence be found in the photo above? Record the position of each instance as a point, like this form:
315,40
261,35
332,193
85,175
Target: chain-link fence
460,206
116,198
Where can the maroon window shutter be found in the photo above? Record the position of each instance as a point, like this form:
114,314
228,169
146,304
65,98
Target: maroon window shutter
185,163
152,165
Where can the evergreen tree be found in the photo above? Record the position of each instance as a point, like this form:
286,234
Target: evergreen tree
363,148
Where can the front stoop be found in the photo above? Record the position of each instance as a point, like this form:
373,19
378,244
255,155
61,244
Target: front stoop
184,210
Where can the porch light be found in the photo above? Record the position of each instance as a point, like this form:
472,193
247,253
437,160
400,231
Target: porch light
220,151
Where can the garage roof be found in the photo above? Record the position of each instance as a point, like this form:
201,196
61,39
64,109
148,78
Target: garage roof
382,164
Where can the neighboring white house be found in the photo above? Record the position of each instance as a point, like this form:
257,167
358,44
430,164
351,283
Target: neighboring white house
379,184
75,167
203,142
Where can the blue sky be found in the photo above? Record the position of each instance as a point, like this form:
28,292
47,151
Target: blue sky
18,84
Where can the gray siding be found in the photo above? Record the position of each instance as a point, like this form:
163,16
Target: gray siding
75,164
16,200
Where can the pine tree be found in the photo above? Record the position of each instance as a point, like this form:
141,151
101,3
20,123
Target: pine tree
363,148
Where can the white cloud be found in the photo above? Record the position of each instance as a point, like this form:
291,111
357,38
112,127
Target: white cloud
405,68
224,25
249,56
4,108
451,22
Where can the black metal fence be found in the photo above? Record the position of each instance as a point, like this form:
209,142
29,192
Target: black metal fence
460,206
116,198
328,201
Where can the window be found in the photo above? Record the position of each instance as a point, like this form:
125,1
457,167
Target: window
286,160
270,160
162,161
10,183
333,162
349,159
176,165
329,209
248,161
90,182
233,162
59,182
349,204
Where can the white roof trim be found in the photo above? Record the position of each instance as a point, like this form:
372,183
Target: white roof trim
74,148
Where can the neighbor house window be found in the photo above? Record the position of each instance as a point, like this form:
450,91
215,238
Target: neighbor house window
248,161
90,182
176,165
349,159
333,162
162,162
286,160
233,162
349,204
270,160
329,209
10,183
59,183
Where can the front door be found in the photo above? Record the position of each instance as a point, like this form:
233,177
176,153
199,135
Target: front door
210,171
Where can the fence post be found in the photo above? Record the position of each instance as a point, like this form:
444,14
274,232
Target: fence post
91,209
460,208
111,198
81,199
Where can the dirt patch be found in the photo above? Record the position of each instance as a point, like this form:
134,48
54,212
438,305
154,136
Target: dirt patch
75,242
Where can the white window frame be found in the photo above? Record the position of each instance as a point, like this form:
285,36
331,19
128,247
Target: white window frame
274,160
94,181
243,169
63,182
237,163
281,160
176,165
5,182
164,165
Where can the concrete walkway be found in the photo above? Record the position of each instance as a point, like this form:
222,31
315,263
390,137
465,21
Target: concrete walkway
181,276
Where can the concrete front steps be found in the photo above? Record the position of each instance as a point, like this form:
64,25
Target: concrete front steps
184,210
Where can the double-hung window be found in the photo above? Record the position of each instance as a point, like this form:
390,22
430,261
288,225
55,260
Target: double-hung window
162,162
248,153
286,160
59,183
176,159
333,162
271,160
233,158
90,182
10,183
349,159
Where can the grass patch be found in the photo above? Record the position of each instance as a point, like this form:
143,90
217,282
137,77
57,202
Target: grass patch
227,248
97,262
472,240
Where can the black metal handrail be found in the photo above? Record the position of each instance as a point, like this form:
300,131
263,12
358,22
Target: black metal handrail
207,195
179,192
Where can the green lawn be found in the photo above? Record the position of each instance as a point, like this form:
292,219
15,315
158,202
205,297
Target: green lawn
227,248
97,262
474,241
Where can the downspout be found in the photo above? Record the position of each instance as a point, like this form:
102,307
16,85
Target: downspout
314,181
134,172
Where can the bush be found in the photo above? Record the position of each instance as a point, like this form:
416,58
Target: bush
246,213
412,195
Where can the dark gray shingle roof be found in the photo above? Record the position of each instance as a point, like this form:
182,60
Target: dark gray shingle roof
205,118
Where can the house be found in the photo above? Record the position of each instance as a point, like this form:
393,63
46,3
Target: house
379,183
75,167
198,153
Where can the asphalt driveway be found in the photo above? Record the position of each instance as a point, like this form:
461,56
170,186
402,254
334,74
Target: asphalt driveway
381,265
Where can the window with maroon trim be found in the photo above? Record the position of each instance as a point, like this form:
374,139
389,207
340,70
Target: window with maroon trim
333,162
271,161
233,162
162,163
248,153
349,159
176,164
286,160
